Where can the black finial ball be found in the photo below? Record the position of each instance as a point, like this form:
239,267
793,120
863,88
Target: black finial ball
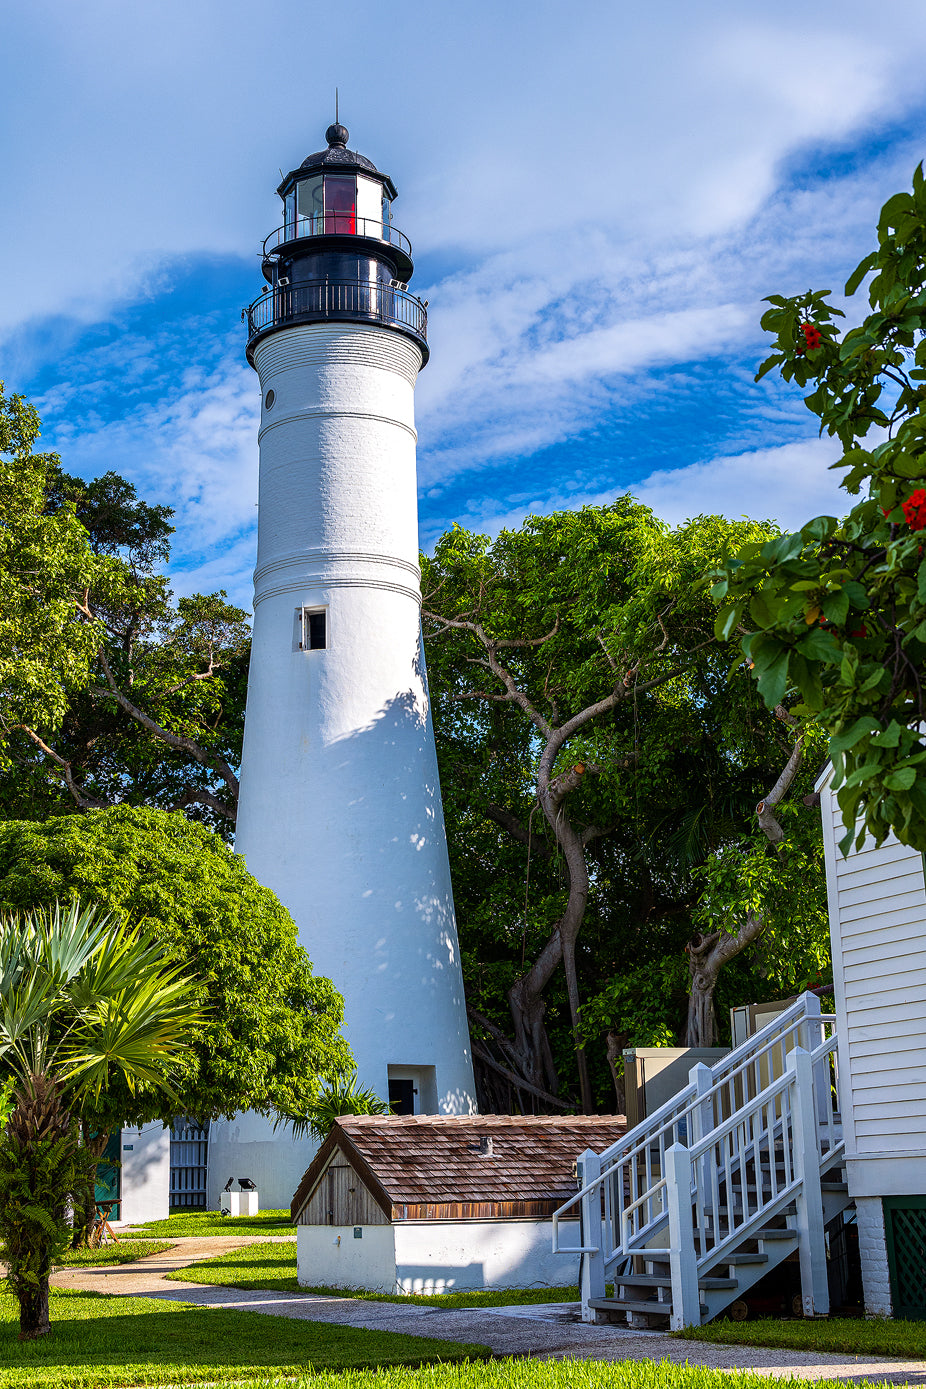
337,135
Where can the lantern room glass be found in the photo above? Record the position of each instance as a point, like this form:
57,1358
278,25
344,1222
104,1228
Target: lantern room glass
340,204
337,205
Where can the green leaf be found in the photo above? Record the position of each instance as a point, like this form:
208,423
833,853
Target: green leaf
901,780
860,271
841,742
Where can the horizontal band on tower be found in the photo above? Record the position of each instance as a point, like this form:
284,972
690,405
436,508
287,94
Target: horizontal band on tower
325,412
324,581
343,344
315,554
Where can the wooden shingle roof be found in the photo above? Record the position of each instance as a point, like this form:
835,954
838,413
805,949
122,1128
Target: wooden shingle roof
432,1166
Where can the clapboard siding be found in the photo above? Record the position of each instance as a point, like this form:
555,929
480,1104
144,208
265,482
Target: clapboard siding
878,920
342,1199
868,971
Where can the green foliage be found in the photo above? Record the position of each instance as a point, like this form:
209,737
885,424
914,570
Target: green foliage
269,1027
36,1176
207,1224
102,1341
82,999
528,1373
672,773
641,999
341,1096
112,692
855,1336
837,610
787,889
47,643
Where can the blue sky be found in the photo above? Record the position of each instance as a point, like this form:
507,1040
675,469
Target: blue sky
599,196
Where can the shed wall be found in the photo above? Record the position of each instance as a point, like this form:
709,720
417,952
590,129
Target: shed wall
453,1256
341,1199
328,1256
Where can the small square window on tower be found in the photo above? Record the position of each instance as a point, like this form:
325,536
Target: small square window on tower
314,629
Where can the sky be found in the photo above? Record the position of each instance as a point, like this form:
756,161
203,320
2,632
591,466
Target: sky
599,196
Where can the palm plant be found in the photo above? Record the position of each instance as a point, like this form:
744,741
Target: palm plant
81,996
342,1096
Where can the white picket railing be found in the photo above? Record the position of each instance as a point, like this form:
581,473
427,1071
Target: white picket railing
728,1126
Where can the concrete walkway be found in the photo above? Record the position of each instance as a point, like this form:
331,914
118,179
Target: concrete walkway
548,1331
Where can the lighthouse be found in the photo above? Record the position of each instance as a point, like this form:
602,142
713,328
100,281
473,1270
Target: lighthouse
340,808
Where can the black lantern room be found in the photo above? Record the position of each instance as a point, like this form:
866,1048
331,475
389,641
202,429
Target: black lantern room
337,255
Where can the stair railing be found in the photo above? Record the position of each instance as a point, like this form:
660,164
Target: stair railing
622,1201
726,1187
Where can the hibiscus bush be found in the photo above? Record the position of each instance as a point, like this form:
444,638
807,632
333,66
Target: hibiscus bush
834,615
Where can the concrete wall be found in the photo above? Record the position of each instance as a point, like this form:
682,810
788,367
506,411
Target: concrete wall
446,1255
145,1173
329,1256
434,1256
247,1146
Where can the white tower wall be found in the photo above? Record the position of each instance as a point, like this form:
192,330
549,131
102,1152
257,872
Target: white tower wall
340,811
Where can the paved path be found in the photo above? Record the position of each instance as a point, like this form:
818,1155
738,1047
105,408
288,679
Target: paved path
548,1331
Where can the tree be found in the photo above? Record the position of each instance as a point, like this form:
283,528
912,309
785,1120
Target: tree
837,610
82,998
142,700
574,672
269,1031
47,641
770,886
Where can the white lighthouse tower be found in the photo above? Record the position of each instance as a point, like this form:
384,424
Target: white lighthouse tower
340,810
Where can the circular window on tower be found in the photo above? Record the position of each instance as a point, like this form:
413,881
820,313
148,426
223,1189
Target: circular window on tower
269,398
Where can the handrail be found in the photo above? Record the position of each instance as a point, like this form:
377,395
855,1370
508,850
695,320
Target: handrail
348,299
337,224
745,1054
632,1169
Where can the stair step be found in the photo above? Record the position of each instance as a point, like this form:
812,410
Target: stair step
743,1259
649,1280
840,1188
651,1307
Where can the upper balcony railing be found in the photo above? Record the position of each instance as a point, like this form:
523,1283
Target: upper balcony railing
338,224
368,301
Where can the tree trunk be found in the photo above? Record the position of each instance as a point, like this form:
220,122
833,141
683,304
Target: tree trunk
616,1041
701,1030
531,1043
707,956
33,1312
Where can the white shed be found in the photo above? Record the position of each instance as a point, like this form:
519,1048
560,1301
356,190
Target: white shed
440,1203
877,906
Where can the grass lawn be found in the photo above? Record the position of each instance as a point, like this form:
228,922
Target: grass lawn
842,1335
98,1340
208,1223
273,1266
551,1374
125,1252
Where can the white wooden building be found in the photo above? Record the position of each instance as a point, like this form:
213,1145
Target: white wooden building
877,904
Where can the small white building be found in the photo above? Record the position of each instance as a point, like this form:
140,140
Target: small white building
441,1203
140,1184
877,905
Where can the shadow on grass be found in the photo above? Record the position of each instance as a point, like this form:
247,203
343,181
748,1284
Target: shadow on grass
96,1340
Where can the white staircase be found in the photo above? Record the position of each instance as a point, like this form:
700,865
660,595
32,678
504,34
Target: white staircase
739,1170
